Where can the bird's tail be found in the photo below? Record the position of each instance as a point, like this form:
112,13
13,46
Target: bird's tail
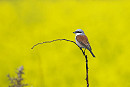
92,53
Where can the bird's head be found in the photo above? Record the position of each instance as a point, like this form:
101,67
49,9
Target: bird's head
79,32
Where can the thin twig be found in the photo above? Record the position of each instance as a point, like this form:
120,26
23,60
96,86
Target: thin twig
53,41
80,49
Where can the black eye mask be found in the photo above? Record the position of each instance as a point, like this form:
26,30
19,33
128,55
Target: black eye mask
78,32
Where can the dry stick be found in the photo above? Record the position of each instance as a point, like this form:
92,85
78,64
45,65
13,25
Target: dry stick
80,49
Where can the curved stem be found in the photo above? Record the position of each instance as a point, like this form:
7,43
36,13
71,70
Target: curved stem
80,49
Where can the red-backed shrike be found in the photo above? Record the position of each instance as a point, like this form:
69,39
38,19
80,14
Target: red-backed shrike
82,40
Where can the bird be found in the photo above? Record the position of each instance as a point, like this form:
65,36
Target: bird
82,40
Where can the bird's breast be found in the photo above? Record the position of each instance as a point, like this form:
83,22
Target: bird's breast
79,43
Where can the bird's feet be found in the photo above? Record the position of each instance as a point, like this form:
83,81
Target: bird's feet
83,53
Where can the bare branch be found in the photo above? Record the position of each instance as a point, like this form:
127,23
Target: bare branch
53,41
80,49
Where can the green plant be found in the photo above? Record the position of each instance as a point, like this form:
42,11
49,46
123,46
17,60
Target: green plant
18,80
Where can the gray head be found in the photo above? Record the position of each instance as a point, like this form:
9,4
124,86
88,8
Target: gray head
79,32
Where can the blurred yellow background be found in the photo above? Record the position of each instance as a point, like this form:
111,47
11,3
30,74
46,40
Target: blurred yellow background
24,23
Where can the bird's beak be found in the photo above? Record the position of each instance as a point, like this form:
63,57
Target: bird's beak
74,32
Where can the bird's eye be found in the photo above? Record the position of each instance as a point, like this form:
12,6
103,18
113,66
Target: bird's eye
78,32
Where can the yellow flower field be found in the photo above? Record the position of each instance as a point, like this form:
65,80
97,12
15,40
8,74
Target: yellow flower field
23,23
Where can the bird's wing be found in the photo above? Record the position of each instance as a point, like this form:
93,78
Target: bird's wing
83,40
